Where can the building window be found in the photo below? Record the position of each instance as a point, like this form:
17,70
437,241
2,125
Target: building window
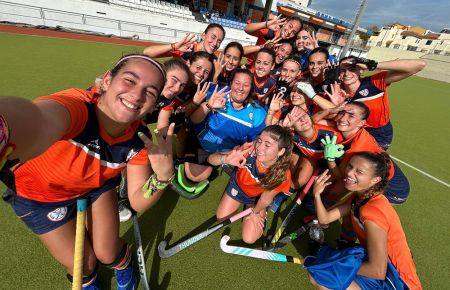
411,48
437,51
379,43
396,46
429,42
417,40
335,37
403,37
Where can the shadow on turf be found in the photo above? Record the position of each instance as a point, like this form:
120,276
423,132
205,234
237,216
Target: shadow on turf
151,235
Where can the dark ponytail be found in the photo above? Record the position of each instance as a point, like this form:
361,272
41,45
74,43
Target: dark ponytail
381,163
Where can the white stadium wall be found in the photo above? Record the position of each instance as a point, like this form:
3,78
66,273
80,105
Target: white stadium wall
437,68
109,18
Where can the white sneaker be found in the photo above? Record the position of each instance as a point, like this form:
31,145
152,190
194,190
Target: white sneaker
124,212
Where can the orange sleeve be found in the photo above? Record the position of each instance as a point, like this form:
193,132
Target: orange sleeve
169,107
74,101
375,215
141,158
263,32
177,53
378,80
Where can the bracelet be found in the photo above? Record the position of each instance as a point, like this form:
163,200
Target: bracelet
261,46
195,104
153,184
210,108
222,160
172,45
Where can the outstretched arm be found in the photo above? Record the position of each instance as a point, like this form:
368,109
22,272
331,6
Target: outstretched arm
161,50
274,24
34,126
398,70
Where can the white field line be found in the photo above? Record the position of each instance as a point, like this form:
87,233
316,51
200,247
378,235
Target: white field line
423,172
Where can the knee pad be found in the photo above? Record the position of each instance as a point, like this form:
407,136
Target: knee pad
186,188
122,260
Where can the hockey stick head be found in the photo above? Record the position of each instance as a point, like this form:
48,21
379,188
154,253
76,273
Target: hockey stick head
162,249
223,244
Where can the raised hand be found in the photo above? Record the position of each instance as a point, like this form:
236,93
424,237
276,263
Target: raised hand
219,64
201,93
160,153
236,157
307,89
331,149
277,102
217,100
337,96
272,43
312,42
186,43
321,182
276,23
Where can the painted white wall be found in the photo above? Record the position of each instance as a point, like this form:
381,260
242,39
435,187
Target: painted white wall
109,19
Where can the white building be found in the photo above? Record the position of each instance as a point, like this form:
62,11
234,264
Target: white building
398,36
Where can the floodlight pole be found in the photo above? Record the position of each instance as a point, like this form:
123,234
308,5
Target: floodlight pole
267,10
358,16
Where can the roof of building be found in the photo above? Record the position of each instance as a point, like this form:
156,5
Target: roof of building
430,35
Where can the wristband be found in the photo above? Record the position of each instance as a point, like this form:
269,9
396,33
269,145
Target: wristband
210,108
172,45
195,104
222,160
153,184
261,46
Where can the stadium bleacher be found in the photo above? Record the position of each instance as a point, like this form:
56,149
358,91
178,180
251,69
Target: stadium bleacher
229,21
156,6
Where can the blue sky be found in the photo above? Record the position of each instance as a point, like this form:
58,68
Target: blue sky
433,15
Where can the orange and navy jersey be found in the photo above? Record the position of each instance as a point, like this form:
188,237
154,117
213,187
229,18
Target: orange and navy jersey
263,36
373,93
313,148
248,178
84,159
360,142
264,89
379,211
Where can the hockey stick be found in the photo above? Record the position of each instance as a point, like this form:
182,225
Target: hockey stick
165,253
79,244
140,252
257,253
291,213
308,221
294,235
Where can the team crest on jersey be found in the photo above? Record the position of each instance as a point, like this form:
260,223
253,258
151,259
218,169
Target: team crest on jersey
364,92
265,90
234,192
131,154
94,144
250,116
57,214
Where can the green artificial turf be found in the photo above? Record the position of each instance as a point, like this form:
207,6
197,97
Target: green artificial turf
33,66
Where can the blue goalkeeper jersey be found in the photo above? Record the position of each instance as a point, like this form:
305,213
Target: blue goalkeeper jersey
226,128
